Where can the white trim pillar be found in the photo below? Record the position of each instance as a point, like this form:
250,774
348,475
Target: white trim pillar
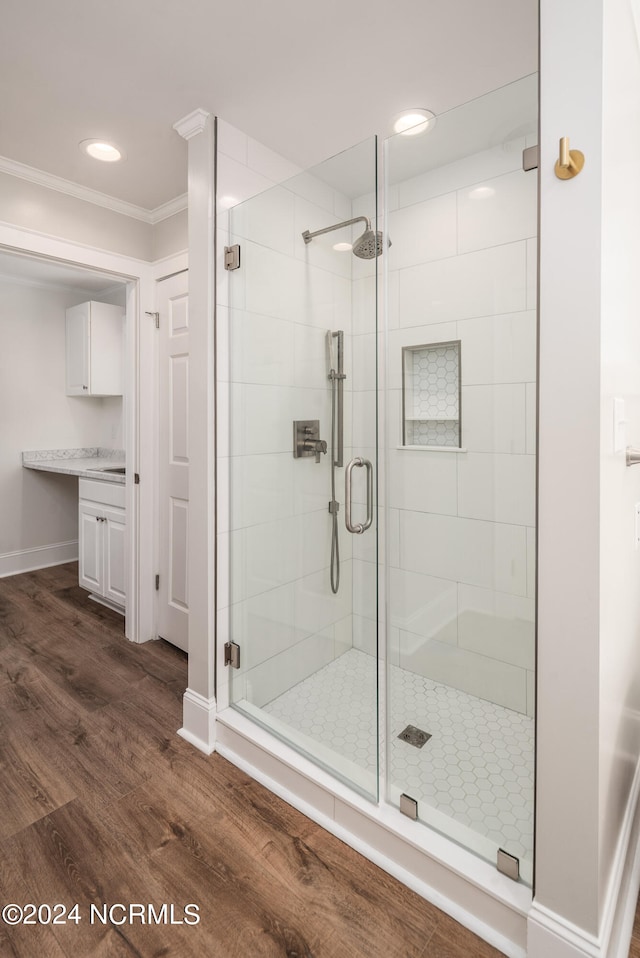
199,707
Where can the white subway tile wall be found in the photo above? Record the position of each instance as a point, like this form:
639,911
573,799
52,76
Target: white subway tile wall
463,266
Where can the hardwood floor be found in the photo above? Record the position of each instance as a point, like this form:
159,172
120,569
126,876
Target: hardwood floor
634,949
103,804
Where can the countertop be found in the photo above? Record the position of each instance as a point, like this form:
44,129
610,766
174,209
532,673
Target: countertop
87,462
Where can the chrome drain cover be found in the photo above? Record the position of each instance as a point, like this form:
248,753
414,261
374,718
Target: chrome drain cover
414,736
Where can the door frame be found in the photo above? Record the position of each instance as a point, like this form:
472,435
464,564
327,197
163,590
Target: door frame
139,404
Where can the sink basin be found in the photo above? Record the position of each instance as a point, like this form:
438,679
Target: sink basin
118,470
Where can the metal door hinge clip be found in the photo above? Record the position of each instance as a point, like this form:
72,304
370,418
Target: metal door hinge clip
232,257
156,317
530,158
508,864
232,654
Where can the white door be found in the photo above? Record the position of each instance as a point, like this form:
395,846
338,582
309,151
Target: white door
173,306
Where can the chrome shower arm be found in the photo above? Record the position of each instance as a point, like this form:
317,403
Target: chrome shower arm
307,236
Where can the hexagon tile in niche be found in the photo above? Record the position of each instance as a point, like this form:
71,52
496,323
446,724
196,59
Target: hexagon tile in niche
477,768
431,398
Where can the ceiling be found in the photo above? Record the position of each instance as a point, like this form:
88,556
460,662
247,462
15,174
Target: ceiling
306,79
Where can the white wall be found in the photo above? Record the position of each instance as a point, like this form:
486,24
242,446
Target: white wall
619,377
170,236
463,266
589,604
33,206
39,509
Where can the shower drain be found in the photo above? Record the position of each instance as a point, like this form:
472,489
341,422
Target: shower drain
414,736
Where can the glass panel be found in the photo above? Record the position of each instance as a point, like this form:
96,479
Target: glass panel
303,590
462,268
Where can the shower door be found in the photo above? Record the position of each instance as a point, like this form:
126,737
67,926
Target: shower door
461,202
301,601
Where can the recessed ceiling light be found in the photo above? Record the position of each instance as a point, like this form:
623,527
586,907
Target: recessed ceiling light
342,247
412,122
100,150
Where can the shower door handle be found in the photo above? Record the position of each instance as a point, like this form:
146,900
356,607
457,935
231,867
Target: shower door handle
358,528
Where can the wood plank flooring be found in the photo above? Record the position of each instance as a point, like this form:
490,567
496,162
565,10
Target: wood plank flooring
102,803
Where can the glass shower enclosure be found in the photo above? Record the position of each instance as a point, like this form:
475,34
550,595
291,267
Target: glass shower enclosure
381,535
303,458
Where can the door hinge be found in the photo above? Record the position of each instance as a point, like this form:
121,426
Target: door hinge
508,864
156,317
136,478
530,158
409,806
157,583
232,654
232,257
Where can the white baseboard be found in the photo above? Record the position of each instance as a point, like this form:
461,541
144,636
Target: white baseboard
549,935
28,560
199,721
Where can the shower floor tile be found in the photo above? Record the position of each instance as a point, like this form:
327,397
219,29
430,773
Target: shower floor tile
476,769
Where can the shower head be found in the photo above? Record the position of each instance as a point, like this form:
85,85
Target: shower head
367,246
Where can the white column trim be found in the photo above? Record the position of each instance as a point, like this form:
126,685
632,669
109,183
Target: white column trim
199,718
192,124
199,704
552,936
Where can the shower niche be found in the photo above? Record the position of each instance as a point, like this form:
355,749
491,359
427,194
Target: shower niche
431,395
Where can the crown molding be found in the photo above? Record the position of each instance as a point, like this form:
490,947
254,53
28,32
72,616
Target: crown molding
192,124
170,208
85,193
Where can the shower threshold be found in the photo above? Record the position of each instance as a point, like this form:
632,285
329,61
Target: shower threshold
473,779
458,881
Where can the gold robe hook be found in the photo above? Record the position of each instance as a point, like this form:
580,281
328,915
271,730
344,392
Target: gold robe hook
570,162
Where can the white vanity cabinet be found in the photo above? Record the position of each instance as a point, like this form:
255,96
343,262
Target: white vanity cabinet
95,350
102,540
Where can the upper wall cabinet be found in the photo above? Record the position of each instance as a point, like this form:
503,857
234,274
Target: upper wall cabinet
95,350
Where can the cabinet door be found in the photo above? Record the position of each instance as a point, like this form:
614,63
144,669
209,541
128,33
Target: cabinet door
90,571
115,542
77,350
106,350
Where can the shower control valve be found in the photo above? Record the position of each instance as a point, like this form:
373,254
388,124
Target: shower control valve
306,439
316,446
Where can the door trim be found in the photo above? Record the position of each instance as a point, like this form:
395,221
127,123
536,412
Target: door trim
138,277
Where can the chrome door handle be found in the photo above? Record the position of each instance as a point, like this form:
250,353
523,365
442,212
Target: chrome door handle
358,528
